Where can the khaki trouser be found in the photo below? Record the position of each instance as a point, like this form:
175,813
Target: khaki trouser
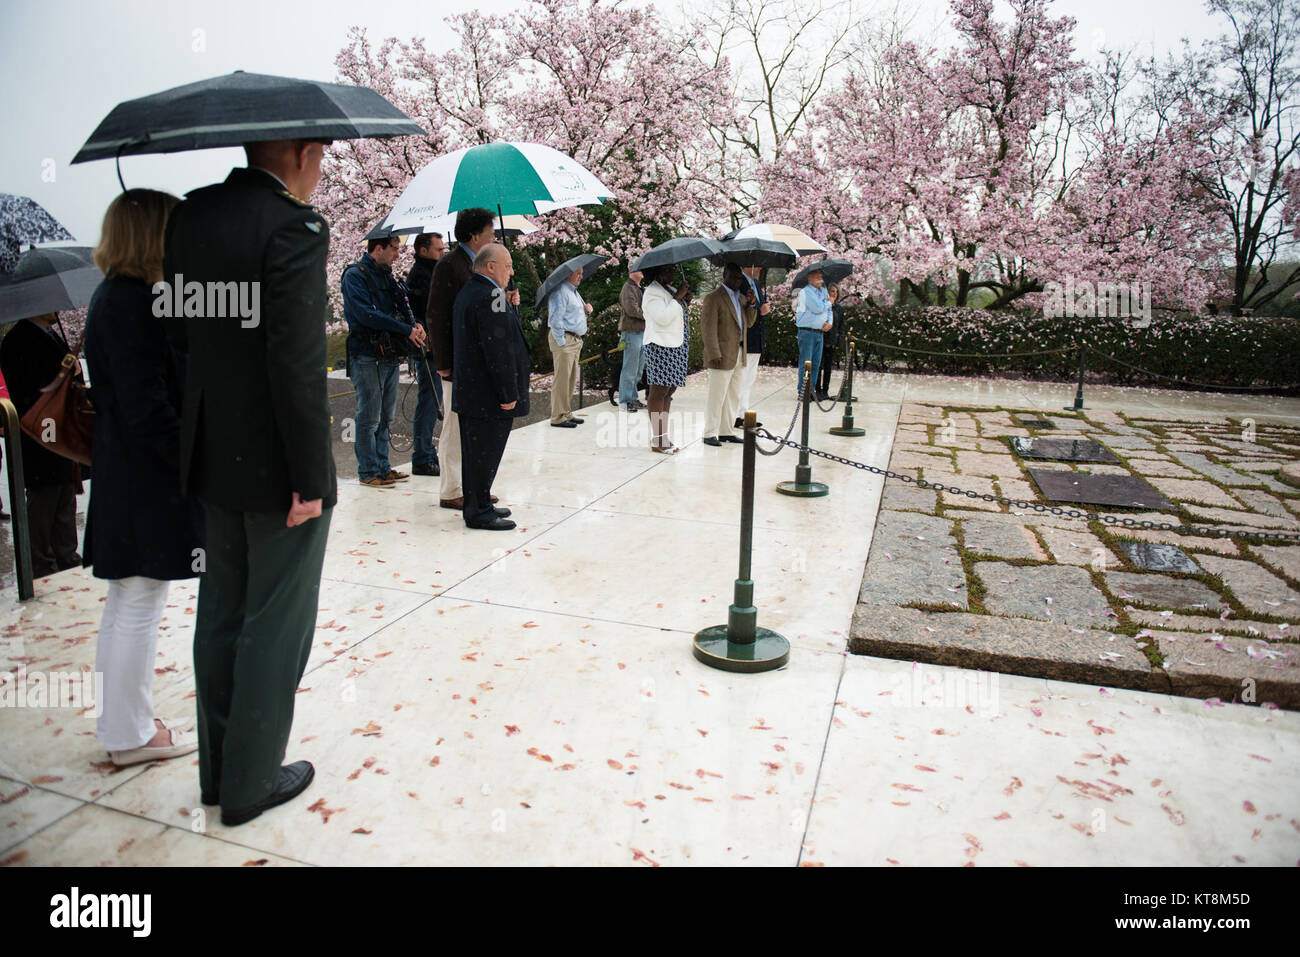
724,398
449,447
565,358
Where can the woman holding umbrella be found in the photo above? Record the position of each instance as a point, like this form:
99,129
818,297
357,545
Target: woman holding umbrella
141,533
667,347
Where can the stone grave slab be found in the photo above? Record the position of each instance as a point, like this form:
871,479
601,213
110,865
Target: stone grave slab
1159,558
1065,450
1030,423
1114,491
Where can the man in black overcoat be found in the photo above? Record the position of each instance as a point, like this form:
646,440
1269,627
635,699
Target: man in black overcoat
492,367
255,448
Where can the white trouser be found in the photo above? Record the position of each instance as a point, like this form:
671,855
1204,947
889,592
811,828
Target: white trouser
128,639
724,398
449,447
747,383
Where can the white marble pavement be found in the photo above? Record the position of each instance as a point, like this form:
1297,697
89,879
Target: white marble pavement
530,697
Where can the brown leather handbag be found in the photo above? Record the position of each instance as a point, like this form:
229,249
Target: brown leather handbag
62,419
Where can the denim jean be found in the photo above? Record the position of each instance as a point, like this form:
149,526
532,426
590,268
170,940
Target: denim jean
633,366
424,452
375,381
810,350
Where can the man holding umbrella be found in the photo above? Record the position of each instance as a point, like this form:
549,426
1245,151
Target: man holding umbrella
567,318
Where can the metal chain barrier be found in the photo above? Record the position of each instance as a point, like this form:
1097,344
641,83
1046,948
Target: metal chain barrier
1245,389
794,417
1034,506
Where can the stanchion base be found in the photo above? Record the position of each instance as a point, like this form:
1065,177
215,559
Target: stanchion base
804,489
851,432
767,652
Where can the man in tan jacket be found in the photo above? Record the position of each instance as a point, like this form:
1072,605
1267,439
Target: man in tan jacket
726,313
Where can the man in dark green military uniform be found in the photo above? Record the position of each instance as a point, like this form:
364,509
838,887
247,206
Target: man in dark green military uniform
255,448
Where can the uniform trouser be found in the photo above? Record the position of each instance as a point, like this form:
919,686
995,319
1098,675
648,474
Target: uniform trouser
52,527
449,447
482,443
252,636
747,382
724,397
124,655
565,358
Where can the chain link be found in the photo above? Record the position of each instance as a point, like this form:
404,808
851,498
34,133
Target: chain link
1035,506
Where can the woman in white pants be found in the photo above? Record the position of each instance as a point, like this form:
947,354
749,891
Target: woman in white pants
141,534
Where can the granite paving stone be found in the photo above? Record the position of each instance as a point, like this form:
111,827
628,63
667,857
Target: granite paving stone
1238,518
1258,590
1187,543
902,496
1018,489
1203,623
1164,592
1231,669
1263,502
1193,491
1212,470
1015,645
1057,593
1077,547
907,562
1001,539
1285,558
982,463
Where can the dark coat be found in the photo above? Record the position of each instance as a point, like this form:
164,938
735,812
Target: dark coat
30,358
419,279
370,306
449,277
492,364
138,522
756,335
834,337
256,422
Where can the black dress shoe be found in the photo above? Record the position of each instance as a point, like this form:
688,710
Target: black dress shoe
209,800
632,406
494,525
712,440
426,469
732,438
294,779
578,421
571,424
502,512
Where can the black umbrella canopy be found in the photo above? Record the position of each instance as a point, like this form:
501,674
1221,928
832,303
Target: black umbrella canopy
47,280
24,222
382,232
680,250
587,262
755,252
832,270
244,108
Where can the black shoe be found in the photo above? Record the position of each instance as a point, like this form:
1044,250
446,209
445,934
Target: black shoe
639,404
431,469
294,779
633,406
712,440
494,525
571,424
578,421
502,512
731,438
209,800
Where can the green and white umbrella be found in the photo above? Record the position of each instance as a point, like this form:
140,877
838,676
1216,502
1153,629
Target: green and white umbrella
518,178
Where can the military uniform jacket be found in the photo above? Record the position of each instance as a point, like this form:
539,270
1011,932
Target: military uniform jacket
255,423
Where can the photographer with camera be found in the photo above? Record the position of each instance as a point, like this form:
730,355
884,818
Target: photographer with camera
380,337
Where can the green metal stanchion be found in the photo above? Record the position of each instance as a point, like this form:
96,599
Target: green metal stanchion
1078,396
846,426
803,486
18,501
740,645
846,385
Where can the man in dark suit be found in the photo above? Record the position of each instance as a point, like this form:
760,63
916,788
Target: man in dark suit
255,448
492,367
429,248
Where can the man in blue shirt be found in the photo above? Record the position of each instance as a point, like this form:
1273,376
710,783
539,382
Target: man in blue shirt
567,319
370,306
812,317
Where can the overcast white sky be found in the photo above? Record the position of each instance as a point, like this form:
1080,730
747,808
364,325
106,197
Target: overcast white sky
65,63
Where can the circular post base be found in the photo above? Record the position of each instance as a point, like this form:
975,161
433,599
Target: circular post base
804,489
848,430
767,652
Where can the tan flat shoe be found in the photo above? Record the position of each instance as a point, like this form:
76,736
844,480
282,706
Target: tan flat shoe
182,743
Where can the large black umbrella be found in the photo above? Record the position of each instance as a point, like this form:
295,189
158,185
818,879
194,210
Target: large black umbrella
24,222
832,270
243,108
587,262
675,251
765,253
47,280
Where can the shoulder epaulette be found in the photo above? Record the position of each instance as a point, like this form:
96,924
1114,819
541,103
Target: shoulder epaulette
295,200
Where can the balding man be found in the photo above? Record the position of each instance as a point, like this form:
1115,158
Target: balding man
255,448
492,368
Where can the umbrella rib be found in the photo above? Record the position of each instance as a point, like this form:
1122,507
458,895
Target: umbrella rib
242,128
